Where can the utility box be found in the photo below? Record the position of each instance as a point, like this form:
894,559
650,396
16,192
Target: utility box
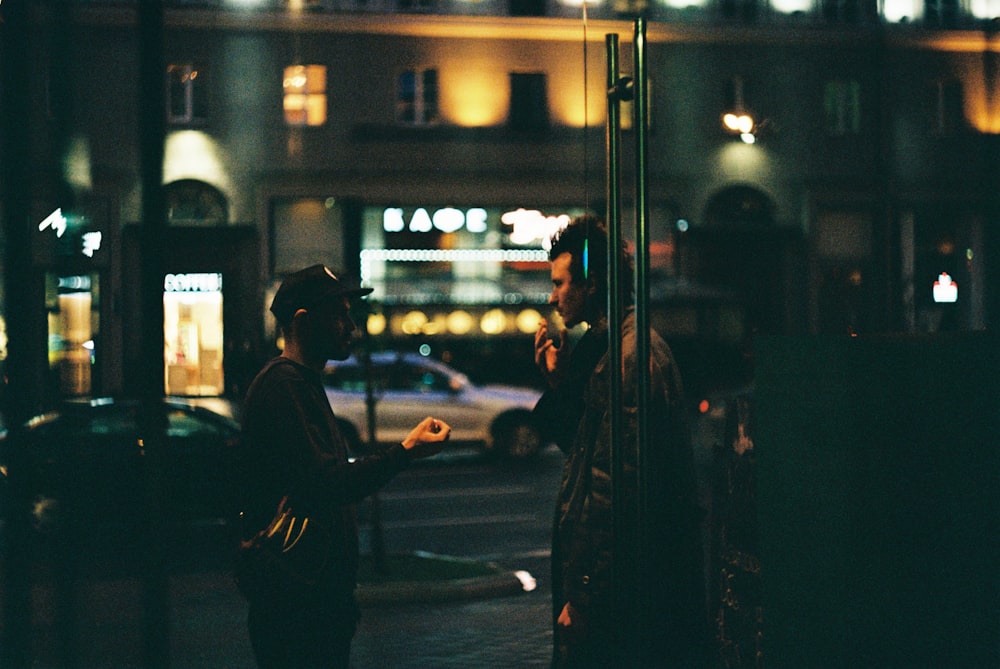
878,500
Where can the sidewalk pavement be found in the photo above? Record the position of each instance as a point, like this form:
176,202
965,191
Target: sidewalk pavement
501,584
403,623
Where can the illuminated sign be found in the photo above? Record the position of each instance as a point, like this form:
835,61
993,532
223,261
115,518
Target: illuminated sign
945,289
193,283
91,243
76,284
528,226
81,239
531,225
447,219
56,221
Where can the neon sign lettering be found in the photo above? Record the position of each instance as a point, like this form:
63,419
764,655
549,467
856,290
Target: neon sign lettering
446,219
530,225
193,283
945,289
56,221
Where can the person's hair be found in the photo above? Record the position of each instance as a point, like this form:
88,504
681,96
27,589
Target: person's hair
587,235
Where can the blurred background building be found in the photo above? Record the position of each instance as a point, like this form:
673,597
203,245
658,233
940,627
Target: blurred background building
816,166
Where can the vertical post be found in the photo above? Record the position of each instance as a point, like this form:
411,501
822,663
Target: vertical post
23,298
642,352
620,517
151,122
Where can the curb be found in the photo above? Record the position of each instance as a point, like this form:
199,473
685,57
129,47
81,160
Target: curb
504,584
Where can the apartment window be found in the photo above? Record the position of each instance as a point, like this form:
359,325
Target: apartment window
529,107
941,13
187,94
305,95
842,107
741,10
415,5
527,7
417,97
945,105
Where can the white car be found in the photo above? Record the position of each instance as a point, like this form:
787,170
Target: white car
408,387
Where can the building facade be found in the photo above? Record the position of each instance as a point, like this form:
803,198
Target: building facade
431,147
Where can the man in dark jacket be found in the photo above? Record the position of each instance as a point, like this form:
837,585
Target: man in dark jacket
292,447
595,622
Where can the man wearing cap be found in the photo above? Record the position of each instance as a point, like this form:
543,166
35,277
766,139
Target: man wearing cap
292,447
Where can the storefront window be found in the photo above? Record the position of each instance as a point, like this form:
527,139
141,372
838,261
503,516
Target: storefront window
73,306
457,255
192,330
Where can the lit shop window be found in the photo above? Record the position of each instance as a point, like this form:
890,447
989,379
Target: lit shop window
192,331
73,307
417,97
305,95
187,94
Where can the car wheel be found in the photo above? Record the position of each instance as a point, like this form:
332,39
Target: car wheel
514,436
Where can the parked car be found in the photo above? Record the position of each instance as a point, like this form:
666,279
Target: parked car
408,387
87,464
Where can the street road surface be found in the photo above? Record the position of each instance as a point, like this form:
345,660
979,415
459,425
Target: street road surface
463,508
459,506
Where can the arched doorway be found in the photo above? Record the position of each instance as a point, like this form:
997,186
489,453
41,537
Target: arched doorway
740,249
193,202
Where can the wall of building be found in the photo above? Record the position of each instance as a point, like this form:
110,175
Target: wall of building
823,214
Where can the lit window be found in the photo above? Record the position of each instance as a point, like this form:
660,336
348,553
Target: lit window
842,107
305,95
417,97
186,94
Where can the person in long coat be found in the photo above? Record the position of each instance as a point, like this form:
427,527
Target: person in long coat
650,611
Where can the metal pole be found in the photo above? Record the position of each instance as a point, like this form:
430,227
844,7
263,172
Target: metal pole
156,591
23,299
616,91
642,352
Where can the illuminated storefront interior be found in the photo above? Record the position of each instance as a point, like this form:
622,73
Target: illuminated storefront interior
192,332
73,308
461,271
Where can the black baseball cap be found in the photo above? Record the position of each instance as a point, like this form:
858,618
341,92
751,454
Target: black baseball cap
309,287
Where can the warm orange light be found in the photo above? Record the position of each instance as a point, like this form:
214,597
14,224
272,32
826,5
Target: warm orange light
460,322
741,123
493,322
470,93
571,106
527,321
376,324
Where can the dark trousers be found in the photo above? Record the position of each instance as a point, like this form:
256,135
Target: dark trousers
305,636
